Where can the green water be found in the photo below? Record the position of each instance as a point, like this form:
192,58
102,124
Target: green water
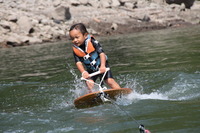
38,84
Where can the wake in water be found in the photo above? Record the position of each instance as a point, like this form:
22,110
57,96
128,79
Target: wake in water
182,87
173,86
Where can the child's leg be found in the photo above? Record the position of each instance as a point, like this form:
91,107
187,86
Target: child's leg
112,83
90,85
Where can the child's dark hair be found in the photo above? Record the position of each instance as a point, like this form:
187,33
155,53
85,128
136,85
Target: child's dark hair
79,26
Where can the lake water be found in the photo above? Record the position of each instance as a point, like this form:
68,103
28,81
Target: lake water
38,84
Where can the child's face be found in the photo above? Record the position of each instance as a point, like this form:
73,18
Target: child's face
77,37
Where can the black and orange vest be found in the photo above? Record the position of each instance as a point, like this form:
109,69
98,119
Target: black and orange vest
89,57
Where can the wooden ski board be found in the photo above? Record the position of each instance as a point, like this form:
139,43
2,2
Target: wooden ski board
93,99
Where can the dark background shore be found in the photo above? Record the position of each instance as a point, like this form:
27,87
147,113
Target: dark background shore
29,22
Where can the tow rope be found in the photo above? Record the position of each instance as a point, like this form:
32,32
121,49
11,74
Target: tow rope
105,98
140,126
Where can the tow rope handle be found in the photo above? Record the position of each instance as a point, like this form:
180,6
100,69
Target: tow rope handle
143,130
95,73
102,94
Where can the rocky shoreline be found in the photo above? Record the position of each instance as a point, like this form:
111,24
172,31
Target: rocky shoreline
28,22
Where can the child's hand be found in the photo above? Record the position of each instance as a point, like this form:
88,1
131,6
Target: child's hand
102,69
85,74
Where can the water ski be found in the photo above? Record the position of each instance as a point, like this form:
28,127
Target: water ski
94,99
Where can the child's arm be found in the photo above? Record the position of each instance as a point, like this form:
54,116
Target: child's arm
81,68
102,55
103,63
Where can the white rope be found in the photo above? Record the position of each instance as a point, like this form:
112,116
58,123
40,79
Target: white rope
90,81
96,73
100,87
102,96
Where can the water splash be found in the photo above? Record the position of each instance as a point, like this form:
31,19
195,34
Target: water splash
131,82
80,87
183,86
135,97
153,95
175,86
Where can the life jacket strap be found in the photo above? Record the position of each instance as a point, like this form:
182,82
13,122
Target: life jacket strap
93,63
87,56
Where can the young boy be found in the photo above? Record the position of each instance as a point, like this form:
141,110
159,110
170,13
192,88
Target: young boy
89,53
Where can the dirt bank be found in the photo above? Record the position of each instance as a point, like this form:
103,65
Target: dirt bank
29,22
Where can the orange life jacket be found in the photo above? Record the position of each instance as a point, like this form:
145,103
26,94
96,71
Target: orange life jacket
88,49
89,57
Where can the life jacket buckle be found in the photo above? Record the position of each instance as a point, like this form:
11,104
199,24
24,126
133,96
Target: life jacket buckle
87,56
93,63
